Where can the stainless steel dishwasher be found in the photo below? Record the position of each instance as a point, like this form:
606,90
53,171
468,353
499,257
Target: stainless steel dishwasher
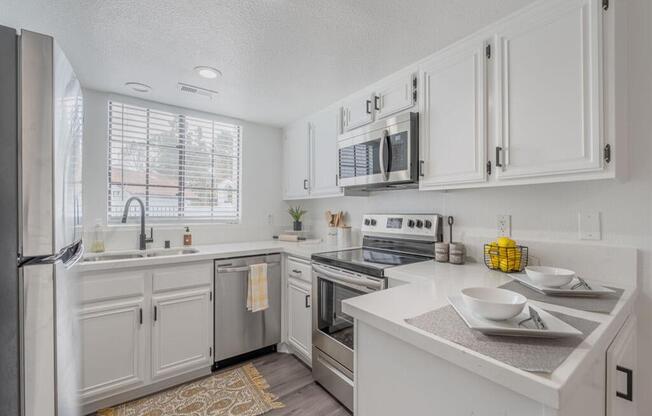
238,331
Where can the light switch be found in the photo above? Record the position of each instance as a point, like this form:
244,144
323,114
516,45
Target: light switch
589,225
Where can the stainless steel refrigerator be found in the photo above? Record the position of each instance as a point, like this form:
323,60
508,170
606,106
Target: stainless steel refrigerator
41,120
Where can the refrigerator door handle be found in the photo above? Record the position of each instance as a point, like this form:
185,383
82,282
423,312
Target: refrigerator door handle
68,255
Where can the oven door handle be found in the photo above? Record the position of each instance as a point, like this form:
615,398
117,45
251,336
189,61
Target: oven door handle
363,284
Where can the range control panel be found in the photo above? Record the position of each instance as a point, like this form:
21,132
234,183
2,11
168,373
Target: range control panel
418,225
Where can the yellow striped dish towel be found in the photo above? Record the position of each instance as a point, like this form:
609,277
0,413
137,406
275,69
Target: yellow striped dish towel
257,288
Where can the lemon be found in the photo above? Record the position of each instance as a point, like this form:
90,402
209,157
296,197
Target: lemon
505,242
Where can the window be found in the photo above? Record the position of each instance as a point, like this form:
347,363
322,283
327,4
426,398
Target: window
181,167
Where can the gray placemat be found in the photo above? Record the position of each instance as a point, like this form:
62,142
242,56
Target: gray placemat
602,304
530,354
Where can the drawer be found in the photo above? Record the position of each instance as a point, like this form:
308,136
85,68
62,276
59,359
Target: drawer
299,269
97,287
182,276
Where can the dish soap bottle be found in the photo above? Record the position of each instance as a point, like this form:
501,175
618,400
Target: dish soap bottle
187,237
98,238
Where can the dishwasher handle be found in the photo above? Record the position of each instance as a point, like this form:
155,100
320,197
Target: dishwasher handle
241,269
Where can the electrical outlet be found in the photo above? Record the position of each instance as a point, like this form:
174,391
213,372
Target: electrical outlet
504,225
270,219
589,225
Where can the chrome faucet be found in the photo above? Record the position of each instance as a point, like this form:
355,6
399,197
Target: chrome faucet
143,240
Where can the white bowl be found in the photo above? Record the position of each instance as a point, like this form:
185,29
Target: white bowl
549,276
493,303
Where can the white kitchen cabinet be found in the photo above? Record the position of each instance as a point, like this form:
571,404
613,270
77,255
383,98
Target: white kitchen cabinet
180,341
622,395
357,110
453,133
548,91
296,161
323,154
142,326
395,95
300,317
113,343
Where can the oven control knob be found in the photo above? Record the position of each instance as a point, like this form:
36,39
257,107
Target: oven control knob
419,223
373,222
367,222
428,224
411,223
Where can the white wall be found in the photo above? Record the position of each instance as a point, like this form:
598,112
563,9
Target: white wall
261,181
550,212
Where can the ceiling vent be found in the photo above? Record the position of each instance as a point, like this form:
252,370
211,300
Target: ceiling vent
194,90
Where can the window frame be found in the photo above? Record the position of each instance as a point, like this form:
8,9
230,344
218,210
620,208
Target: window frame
180,132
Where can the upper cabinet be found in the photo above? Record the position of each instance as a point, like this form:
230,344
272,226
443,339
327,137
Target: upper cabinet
357,110
310,157
323,154
533,98
548,90
452,116
295,162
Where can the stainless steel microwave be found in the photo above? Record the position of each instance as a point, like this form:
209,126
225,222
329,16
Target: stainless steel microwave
382,155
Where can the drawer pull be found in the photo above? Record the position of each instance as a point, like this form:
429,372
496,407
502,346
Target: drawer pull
630,384
296,271
307,301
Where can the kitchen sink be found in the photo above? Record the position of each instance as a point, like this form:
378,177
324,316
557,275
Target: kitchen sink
171,252
139,255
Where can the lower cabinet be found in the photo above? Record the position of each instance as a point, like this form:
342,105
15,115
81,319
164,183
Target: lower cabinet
180,341
300,317
142,326
622,395
113,347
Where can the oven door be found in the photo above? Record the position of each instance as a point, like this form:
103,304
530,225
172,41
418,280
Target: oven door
384,154
332,330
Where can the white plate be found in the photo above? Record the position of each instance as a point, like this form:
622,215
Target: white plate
596,290
556,327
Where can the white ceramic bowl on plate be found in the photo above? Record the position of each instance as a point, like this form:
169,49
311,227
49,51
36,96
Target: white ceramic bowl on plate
493,303
549,276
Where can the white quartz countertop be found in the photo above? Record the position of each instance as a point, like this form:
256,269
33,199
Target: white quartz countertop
302,249
421,287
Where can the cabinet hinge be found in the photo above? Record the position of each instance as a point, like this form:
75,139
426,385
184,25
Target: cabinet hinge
489,167
488,51
605,4
414,89
210,296
607,153
210,351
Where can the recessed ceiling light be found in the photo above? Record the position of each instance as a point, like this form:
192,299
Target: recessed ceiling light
138,87
208,72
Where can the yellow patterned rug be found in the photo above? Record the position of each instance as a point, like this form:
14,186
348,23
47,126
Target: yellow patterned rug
238,392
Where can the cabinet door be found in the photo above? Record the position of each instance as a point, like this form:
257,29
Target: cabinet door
323,154
548,87
395,95
299,317
295,161
181,332
622,395
357,111
113,342
452,120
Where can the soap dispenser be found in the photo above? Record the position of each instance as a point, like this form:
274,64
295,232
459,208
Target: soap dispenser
187,237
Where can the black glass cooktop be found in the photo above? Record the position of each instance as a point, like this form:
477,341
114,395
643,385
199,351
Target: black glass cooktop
366,260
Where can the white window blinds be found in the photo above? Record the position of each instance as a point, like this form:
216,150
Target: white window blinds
181,167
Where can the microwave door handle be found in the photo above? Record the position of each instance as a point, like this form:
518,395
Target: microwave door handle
381,156
386,155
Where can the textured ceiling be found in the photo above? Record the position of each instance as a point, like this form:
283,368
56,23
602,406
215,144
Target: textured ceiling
281,59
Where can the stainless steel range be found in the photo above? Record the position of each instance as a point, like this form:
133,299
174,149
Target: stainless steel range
388,241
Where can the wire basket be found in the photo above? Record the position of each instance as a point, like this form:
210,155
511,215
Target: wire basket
506,259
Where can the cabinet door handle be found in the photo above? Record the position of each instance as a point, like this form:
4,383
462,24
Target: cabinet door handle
155,313
377,103
421,162
498,150
368,106
307,301
305,184
140,315
630,384
296,271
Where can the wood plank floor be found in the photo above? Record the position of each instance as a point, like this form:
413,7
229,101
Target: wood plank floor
291,381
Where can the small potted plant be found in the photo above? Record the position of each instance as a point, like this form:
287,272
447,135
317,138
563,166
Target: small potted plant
296,213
